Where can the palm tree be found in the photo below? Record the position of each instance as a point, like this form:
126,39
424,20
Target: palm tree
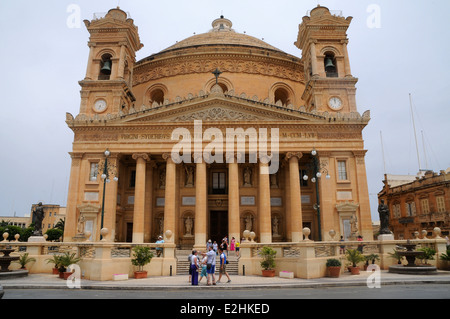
24,260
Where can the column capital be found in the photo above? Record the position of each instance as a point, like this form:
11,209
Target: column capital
144,156
74,155
168,158
290,155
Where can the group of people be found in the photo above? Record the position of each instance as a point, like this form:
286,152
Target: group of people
232,246
206,266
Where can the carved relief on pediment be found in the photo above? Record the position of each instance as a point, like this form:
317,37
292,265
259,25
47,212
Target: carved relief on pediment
217,114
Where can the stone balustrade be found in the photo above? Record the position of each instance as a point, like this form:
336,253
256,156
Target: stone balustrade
100,260
306,259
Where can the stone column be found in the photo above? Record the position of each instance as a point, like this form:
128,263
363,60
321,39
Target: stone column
170,199
148,202
287,202
264,214
72,198
327,189
109,220
121,66
315,71
89,70
295,196
139,197
365,219
348,72
201,203
233,199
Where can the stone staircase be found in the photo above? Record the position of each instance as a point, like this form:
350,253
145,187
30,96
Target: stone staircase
183,263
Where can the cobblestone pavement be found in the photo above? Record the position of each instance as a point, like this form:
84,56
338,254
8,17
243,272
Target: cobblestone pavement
40,281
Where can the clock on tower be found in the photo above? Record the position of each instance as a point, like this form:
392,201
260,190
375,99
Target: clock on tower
330,86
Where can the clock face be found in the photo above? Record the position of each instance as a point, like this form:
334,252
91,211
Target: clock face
100,105
335,103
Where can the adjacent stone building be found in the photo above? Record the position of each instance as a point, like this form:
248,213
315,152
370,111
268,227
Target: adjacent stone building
417,203
218,134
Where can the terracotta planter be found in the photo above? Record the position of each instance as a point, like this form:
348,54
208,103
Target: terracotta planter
268,273
354,270
334,272
55,271
140,274
66,274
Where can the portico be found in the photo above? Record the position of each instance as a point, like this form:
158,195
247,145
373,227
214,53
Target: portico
208,140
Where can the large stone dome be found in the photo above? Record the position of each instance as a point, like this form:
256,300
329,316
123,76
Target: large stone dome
221,34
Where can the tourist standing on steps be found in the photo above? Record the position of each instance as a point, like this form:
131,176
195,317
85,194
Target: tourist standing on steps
215,246
224,246
203,263
194,268
342,247
211,266
209,243
232,244
223,265
159,249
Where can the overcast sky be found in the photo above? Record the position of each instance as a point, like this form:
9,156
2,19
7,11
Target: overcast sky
396,48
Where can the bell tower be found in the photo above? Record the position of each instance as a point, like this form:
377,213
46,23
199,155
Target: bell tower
330,87
113,43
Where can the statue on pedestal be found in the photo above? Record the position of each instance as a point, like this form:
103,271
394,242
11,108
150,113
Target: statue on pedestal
383,210
38,217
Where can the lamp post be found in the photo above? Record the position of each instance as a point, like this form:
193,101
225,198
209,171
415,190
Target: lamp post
105,177
317,170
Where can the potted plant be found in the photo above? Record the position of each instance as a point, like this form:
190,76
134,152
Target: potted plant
372,258
142,256
334,267
428,254
354,256
395,255
65,261
446,259
55,260
268,262
24,260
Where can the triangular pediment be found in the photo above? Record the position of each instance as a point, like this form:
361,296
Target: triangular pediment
217,109
330,20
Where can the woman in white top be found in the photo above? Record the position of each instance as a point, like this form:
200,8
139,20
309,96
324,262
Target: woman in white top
194,268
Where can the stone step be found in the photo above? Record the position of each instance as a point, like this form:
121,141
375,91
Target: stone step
232,267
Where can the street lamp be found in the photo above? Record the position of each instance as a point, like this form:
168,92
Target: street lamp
107,170
317,170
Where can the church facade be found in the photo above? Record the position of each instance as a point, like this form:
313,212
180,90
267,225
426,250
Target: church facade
218,134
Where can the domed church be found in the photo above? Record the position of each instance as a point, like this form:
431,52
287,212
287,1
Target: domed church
218,134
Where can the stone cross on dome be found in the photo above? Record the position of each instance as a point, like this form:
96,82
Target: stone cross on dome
217,73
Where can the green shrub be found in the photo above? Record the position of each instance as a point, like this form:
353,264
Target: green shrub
354,256
142,256
428,254
54,234
268,256
333,263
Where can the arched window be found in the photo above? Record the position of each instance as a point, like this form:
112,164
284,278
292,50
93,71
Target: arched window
282,95
105,67
330,65
157,95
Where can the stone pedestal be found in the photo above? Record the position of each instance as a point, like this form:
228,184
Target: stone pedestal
385,237
36,239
